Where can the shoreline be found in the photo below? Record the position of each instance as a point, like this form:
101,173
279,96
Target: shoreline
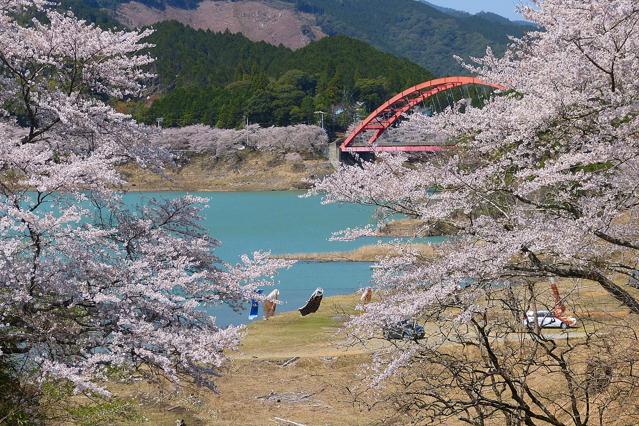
248,172
366,254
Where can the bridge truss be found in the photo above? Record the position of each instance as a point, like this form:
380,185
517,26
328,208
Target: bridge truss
391,111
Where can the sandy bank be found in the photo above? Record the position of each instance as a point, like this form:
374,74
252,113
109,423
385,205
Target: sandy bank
369,253
415,228
249,171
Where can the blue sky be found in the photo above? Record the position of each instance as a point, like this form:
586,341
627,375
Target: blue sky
504,8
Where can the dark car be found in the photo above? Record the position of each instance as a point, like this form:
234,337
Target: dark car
404,330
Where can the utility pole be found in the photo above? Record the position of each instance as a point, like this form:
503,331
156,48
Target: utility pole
321,113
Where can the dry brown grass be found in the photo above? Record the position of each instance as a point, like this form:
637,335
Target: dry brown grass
318,382
369,253
312,390
250,172
402,228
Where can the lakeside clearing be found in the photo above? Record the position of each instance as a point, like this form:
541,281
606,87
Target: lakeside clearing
289,367
295,368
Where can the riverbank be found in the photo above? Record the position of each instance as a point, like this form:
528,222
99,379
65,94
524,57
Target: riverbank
415,228
246,171
368,253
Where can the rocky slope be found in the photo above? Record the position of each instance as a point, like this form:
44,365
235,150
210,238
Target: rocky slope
270,21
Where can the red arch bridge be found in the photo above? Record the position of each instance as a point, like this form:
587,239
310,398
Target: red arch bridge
366,136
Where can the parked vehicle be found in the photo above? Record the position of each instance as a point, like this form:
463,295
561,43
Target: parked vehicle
404,330
546,319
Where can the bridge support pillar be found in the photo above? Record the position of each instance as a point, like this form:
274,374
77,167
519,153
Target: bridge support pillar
334,154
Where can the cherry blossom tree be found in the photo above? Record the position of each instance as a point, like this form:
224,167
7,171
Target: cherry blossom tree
87,282
221,143
542,182
486,370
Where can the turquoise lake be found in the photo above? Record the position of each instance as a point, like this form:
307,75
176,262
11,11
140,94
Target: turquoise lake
282,222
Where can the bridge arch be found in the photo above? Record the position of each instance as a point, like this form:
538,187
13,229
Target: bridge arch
390,111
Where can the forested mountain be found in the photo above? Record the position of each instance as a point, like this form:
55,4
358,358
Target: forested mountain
221,78
412,29
446,10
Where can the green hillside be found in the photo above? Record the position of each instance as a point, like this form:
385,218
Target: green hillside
412,29
221,78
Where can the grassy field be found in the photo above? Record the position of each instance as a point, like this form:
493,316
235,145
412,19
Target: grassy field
256,387
294,368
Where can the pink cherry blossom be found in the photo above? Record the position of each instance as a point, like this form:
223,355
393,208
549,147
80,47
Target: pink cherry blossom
542,181
86,281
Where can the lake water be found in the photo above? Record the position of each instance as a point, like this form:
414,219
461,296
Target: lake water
282,222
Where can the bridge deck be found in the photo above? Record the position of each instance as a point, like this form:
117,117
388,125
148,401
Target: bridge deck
434,144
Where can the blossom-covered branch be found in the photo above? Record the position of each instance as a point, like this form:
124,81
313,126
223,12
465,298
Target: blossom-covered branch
541,183
87,281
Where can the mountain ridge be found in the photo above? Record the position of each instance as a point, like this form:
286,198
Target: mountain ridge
222,79
485,14
407,28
